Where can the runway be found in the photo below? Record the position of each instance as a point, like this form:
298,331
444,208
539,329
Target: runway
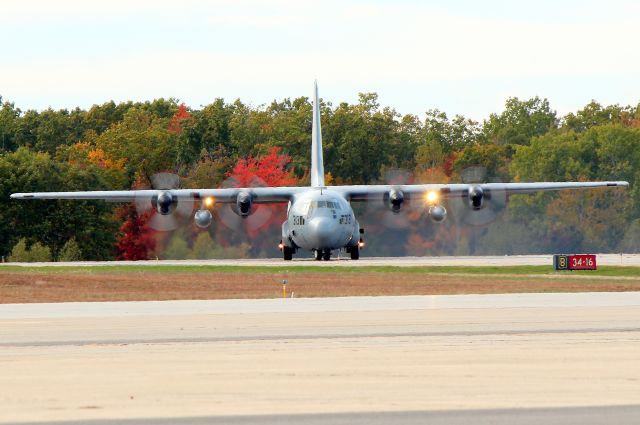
303,259
499,359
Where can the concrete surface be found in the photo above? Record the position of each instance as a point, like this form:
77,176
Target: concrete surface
539,358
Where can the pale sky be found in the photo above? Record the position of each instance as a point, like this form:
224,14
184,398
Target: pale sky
463,57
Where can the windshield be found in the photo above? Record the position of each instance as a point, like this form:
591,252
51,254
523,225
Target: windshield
326,204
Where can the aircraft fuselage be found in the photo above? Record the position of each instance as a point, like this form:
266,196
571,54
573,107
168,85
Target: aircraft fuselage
320,220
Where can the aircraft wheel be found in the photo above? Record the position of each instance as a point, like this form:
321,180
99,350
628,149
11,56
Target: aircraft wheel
355,252
326,255
287,253
318,254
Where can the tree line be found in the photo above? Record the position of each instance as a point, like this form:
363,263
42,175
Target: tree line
120,146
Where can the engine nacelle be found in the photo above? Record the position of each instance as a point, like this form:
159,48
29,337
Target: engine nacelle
394,200
476,197
203,218
244,203
164,203
437,213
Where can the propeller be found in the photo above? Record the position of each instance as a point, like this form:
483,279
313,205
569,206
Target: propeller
176,211
229,214
406,212
489,204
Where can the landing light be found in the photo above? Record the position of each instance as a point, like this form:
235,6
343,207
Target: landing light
280,246
208,201
361,244
432,197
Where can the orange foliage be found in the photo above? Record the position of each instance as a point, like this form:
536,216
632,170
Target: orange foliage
82,153
99,157
176,125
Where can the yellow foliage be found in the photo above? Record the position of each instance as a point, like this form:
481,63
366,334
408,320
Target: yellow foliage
83,153
99,157
328,179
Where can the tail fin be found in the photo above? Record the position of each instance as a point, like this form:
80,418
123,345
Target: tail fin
317,167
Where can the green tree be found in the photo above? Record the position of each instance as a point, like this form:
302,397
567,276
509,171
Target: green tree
429,155
595,114
53,130
100,117
19,253
177,249
36,253
39,253
520,122
70,251
9,116
359,140
288,126
53,222
492,158
143,140
246,136
26,129
451,135
203,247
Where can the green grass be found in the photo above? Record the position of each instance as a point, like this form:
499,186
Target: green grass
322,268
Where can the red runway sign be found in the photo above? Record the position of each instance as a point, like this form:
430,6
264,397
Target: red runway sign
575,262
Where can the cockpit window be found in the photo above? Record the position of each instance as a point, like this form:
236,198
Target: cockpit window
335,205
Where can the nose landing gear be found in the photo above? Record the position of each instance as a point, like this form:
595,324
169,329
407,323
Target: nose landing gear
322,254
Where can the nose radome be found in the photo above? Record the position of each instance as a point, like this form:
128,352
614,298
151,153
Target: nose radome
323,230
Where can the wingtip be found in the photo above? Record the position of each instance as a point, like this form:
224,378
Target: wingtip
618,184
21,195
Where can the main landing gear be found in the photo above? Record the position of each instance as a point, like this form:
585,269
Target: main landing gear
287,252
355,252
322,254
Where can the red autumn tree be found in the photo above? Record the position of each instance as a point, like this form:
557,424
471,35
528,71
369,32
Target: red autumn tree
448,164
269,170
136,240
176,125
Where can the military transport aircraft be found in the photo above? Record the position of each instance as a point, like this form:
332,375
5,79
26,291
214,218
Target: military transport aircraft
319,217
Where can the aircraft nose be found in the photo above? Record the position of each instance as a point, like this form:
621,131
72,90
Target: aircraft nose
323,230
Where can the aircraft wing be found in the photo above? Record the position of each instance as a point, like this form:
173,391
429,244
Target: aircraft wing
262,195
229,195
365,192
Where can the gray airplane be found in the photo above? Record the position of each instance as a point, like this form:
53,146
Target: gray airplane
319,217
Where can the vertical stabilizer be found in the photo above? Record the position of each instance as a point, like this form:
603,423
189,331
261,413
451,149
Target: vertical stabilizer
317,167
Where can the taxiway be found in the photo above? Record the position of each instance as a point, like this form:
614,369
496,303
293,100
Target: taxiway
525,358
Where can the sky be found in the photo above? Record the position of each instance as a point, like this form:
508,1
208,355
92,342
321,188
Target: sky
462,57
